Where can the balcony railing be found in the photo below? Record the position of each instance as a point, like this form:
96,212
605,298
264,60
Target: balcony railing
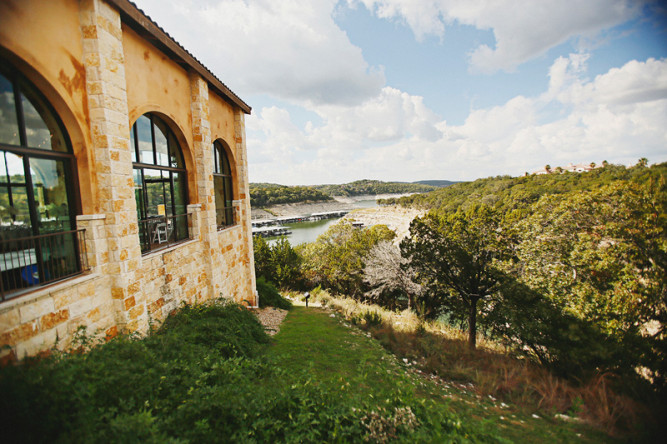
161,232
34,261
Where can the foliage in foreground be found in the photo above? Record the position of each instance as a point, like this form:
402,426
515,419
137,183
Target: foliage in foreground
202,377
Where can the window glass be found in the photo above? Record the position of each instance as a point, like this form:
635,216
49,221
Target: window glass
14,209
216,158
139,193
133,145
180,194
9,127
218,184
161,149
14,168
50,192
154,193
169,202
145,139
225,164
222,182
41,127
175,152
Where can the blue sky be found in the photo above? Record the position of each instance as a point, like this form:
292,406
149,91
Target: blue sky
436,89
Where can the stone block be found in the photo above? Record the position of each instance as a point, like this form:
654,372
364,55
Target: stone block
9,319
111,333
136,311
50,320
36,344
129,303
18,334
36,309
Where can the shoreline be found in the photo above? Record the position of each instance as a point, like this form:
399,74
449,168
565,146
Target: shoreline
340,203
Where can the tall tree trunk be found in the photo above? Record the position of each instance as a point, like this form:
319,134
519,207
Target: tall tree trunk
472,324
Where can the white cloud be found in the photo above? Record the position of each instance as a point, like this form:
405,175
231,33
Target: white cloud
618,116
523,29
290,49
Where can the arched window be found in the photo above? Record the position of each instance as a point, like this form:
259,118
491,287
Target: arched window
222,182
38,241
160,183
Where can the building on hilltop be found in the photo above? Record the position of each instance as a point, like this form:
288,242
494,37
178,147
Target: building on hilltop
123,175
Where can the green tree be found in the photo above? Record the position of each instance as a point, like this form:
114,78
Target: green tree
336,259
601,256
280,263
262,254
454,258
286,264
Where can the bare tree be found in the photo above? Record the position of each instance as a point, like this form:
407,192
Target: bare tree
387,271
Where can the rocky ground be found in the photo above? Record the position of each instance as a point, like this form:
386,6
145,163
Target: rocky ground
270,318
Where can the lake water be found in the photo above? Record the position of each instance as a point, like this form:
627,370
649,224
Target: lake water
303,232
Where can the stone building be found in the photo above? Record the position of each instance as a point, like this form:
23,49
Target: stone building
123,176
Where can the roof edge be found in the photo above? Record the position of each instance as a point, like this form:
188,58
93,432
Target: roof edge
144,25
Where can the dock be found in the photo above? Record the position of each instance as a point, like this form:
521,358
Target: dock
271,231
263,223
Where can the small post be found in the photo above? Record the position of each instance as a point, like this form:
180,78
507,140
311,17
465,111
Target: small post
306,297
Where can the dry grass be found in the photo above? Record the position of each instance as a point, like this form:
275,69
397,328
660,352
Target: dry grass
443,351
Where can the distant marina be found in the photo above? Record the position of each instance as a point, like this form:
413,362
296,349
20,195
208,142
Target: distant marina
276,227
303,223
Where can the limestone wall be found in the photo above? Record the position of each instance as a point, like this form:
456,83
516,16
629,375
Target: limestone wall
100,75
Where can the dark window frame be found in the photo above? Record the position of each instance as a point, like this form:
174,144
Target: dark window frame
43,243
175,225
222,170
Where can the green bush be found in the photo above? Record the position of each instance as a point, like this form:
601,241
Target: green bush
269,295
128,383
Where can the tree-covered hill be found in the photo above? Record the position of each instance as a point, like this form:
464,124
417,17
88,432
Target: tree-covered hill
265,194
437,183
373,187
513,196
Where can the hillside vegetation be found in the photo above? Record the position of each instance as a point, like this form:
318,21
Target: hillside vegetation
266,194
566,271
208,375
373,187
514,195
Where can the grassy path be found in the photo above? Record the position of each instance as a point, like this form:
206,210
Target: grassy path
323,348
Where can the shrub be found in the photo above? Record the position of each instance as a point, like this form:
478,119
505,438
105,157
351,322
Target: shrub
269,295
129,384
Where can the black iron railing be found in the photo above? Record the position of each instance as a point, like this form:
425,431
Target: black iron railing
34,261
161,232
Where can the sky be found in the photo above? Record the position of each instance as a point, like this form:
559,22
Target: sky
408,90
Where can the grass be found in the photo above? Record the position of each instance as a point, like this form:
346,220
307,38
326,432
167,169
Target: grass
338,355
210,374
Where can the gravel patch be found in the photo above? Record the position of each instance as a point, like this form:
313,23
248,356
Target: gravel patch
270,318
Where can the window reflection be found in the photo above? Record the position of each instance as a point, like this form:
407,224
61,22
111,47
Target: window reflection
42,129
145,140
9,127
